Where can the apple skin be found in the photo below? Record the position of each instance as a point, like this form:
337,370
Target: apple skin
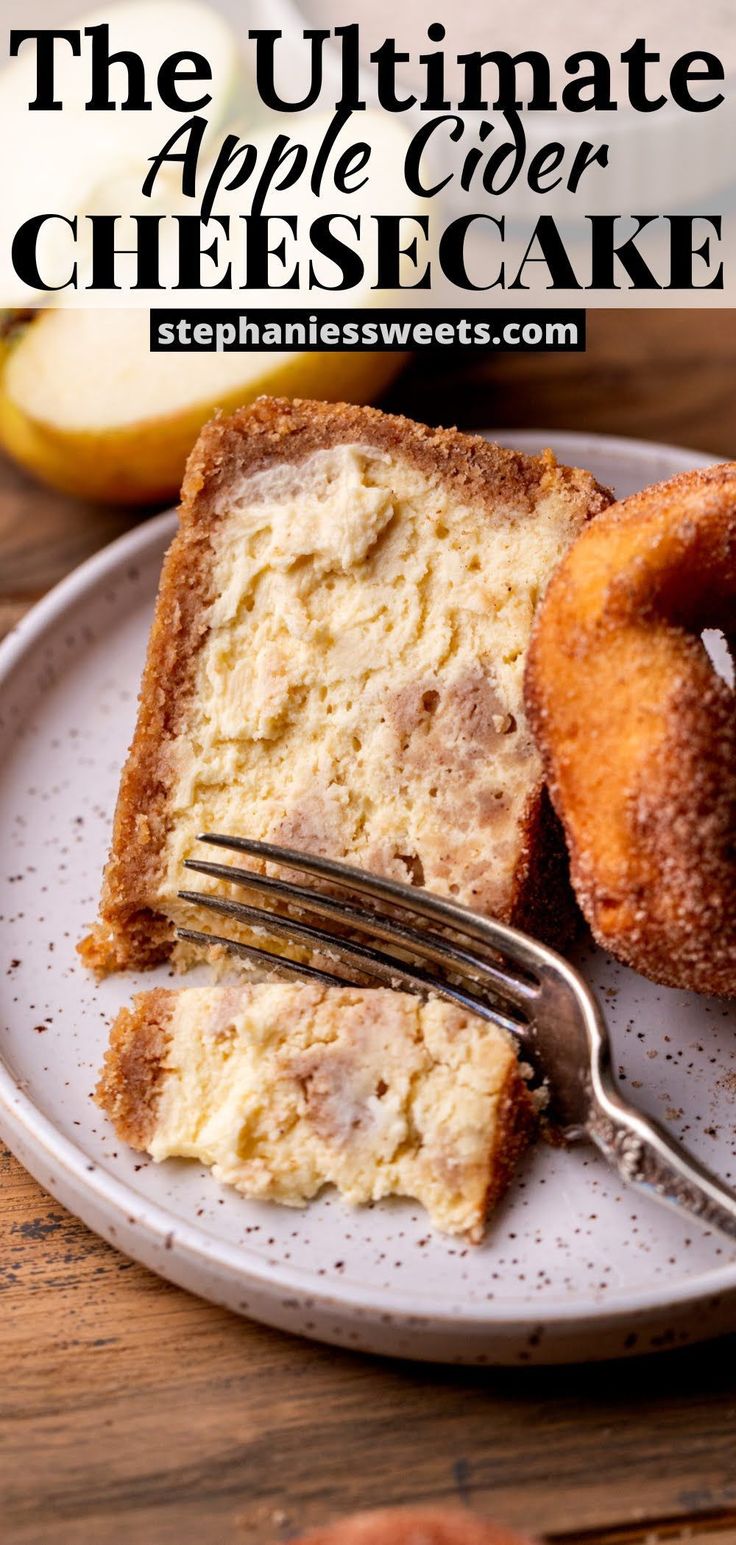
144,463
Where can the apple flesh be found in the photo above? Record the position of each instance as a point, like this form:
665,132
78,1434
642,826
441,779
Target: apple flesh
85,406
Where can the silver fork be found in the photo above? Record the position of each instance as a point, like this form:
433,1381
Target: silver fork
488,968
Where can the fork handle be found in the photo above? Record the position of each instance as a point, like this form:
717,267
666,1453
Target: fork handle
646,1156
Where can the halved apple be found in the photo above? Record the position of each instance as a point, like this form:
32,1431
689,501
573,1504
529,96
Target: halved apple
87,408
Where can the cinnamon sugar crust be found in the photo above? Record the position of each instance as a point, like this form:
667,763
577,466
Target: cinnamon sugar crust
516,1125
133,1071
133,930
638,731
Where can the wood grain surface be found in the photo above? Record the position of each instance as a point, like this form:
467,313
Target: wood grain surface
131,1411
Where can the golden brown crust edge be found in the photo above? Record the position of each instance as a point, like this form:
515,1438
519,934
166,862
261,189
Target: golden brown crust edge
133,1070
638,733
413,1526
516,1124
130,932
544,903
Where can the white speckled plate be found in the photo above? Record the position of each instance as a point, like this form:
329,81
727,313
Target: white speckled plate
574,1266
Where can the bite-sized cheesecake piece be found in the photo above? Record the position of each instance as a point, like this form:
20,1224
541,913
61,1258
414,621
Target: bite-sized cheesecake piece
283,1089
336,663
413,1526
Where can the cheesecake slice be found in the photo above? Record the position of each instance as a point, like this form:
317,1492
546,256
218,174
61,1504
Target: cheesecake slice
284,1089
336,664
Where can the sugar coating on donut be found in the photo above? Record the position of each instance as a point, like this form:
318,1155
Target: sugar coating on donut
638,730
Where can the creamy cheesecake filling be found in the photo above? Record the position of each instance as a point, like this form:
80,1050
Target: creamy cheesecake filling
359,690
283,1089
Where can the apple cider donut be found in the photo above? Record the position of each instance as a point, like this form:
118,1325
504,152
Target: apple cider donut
638,731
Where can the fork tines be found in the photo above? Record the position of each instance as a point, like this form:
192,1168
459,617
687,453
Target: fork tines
497,981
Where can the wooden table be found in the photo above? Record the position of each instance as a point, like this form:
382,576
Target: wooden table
134,1412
